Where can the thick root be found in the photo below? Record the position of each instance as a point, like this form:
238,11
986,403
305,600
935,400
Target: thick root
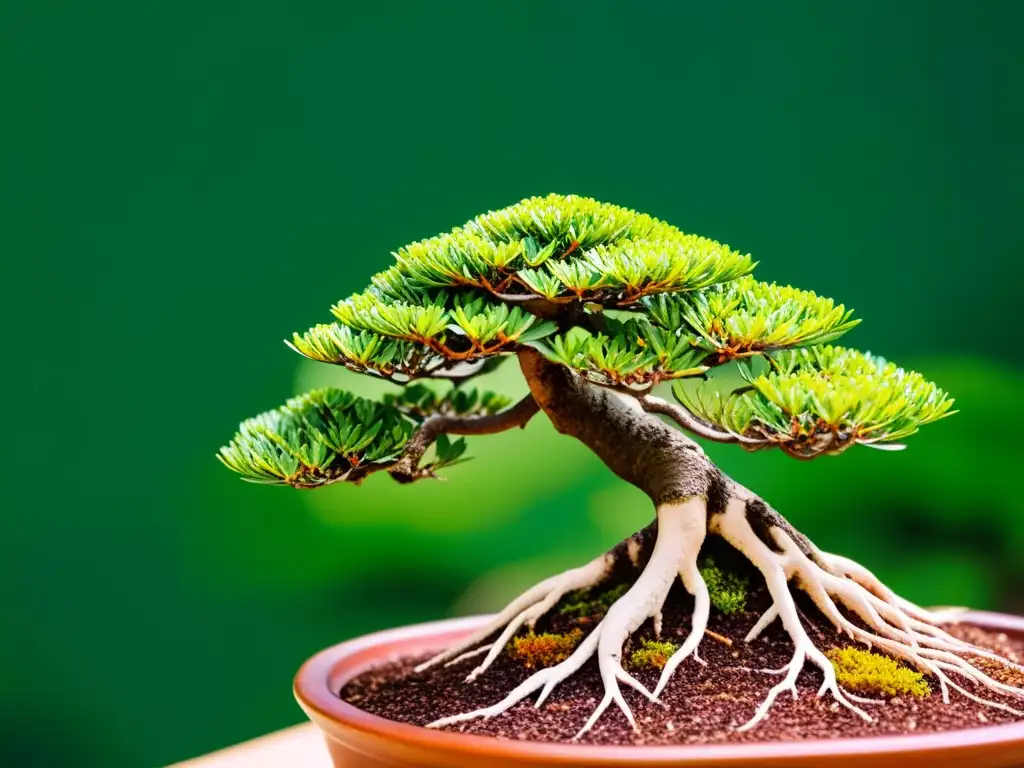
734,527
893,625
681,530
695,585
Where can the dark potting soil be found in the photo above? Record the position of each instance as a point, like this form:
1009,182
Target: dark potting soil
704,704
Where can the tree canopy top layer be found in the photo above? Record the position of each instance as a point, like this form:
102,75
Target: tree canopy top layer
625,299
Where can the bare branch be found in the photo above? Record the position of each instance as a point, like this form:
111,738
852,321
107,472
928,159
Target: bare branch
691,423
407,468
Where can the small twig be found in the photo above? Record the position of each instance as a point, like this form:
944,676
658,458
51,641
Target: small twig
720,638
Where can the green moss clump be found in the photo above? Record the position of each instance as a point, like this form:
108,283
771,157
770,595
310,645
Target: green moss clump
652,653
581,605
544,650
727,590
866,672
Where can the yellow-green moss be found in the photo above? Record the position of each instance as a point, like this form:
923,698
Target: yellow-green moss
544,650
728,591
866,672
652,653
581,604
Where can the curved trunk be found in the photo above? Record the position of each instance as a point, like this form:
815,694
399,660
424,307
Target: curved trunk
644,451
640,448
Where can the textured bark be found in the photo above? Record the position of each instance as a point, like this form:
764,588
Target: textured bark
638,447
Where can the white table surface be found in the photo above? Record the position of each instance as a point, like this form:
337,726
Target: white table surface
301,746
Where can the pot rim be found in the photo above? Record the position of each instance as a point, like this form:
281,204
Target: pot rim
333,667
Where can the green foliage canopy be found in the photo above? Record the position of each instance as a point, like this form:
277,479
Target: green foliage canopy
823,400
627,300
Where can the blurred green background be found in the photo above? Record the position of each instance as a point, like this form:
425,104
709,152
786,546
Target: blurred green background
185,183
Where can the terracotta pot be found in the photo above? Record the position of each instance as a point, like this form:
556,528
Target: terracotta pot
356,738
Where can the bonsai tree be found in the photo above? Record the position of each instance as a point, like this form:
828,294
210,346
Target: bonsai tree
599,304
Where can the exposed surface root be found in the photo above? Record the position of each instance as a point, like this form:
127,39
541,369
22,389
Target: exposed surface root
736,529
895,626
701,705
848,596
525,609
681,529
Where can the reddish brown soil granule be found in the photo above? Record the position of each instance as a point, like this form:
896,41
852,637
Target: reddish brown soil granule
705,704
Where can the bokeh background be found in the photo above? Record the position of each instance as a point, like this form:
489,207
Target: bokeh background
184,183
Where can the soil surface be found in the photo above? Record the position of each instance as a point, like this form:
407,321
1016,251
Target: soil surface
705,704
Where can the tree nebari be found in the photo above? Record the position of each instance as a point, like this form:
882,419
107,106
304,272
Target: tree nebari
600,304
